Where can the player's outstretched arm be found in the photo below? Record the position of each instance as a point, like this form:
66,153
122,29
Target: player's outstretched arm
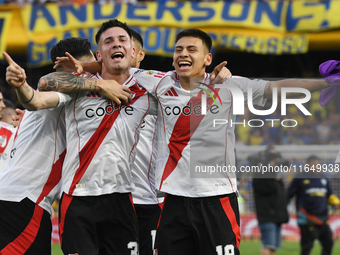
30,99
69,83
311,85
220,73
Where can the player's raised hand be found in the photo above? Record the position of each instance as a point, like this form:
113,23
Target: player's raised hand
69,62
220,73
15,75
114,91
17,118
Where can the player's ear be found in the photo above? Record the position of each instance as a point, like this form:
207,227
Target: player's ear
141,55
98,55
208,59
133,52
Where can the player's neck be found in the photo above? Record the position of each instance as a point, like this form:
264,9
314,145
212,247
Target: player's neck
187,84
118,76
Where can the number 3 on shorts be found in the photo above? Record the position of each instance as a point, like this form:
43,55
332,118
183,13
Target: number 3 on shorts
134,247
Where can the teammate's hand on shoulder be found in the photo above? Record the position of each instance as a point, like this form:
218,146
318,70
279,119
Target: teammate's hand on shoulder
114,91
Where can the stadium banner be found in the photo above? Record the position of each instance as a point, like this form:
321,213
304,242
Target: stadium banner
313,16
161,41
52,17
5,19
279,16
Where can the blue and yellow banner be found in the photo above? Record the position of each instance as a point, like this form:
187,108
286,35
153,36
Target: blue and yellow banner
161,41
256,14
262,27
5,19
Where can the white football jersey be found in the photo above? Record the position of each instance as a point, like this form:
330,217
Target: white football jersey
195,151
101,138
143,172
35,165
7,133
143,167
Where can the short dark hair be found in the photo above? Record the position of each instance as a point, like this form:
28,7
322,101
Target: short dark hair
193,32
112,23
137,36
8,103
76,46
312,158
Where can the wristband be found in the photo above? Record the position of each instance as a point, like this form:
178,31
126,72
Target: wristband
22,83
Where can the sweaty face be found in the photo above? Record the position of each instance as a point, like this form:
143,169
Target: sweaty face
2,105
115,50
191,57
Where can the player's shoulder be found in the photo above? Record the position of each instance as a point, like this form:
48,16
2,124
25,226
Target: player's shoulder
147,73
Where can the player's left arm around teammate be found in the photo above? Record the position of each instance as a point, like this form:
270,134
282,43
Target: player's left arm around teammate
69,83
311,85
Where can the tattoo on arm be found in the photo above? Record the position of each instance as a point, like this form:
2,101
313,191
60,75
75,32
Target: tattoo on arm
27,88
66,82
269,85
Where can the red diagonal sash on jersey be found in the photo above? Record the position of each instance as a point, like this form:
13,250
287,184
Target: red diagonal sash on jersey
53,178
180,136
91,147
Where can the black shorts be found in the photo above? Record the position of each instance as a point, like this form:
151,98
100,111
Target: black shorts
148,216
208,225
105,224
25,228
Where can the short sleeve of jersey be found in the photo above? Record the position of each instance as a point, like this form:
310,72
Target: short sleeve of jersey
63,98
149,79
256,87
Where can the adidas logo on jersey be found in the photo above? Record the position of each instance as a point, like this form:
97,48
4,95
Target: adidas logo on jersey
171,93
94,94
